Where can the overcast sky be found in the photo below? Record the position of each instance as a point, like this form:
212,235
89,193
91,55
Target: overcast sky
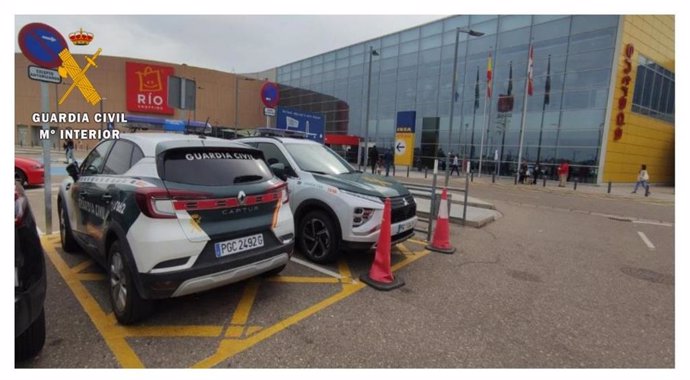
241,44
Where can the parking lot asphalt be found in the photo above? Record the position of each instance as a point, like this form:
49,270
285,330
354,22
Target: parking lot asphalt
560,280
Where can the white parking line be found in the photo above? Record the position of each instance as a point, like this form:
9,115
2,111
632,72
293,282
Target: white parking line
653,223
646,240
316,268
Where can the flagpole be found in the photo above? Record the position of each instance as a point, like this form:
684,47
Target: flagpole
524,109
486,124
474,115
547,89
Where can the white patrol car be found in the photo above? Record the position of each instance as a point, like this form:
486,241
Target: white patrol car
336,207
168,215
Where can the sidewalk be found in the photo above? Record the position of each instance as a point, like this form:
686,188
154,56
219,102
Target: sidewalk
623,190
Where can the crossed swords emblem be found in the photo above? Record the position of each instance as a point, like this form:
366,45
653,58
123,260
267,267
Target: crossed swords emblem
71,68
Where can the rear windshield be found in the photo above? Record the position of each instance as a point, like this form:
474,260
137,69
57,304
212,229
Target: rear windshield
213,166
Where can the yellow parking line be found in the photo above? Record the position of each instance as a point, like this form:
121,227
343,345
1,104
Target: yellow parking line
231,347
105,324
173,331
344,269
304,280
404,249
241,314
417,241
82,265
91,276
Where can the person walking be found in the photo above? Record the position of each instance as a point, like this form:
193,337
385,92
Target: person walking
563,170
373,158
68,145
388,160
535,173
522,172
642,179
455,166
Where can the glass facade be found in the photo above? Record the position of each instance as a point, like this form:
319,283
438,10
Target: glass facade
655,90
413,71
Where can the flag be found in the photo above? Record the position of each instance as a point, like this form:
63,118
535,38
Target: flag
489,76
547,86
476,91
510,79
530,71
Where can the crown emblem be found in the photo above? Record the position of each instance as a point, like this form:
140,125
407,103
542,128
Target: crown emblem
81,37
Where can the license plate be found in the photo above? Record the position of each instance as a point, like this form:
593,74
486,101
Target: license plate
402,227
233,246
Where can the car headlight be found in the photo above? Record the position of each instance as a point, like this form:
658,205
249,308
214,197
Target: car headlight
363,196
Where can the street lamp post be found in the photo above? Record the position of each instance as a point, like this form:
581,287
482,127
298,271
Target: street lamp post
372,53
472,33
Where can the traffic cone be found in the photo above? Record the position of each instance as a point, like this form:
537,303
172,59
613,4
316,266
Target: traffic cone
441,240
380,276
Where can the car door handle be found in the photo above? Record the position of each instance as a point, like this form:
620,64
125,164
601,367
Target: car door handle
82,194
106,197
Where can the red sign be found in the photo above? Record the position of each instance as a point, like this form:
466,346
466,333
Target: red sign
147,88
625,83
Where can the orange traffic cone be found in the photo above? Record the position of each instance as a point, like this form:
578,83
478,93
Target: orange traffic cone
441,239
380,276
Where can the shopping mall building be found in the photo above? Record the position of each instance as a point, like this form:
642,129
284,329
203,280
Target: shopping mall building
603,92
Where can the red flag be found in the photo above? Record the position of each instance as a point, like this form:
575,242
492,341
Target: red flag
489,76
530,72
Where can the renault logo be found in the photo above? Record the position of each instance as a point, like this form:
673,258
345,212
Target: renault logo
241,197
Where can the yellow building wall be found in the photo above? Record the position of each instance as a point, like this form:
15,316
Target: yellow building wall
645,140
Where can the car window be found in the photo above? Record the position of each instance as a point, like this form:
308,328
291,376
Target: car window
137,155
219,166
273,155
119,158
317,158
93,164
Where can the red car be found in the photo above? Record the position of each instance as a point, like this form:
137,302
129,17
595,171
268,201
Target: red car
28,172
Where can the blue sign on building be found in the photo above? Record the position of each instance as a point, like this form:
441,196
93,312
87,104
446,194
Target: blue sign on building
406,122
313,124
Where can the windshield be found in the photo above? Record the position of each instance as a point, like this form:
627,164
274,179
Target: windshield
318,159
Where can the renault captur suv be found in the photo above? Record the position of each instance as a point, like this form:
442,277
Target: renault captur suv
169,215
336,207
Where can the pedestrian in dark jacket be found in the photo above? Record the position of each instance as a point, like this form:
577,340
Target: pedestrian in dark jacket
373,158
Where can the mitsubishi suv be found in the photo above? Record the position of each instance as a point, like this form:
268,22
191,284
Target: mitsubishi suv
169,215
336,207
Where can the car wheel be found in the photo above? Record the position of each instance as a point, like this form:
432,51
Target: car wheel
31,341
20,176
125,300
318,238
67,241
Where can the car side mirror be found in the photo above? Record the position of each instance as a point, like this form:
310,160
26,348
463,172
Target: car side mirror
278,170
73,171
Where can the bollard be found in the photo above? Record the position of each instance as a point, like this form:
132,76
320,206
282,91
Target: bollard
493,178
544,185
472,176
575,185
425,172
408,171
515,180
609,190
393,170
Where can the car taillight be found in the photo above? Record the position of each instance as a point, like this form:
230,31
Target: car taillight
159,203
19,208
284,196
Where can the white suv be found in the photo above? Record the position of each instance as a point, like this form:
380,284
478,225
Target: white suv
336,207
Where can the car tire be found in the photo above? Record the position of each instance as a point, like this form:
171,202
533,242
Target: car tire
31,341
20,176
128,305
67,241
318,238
